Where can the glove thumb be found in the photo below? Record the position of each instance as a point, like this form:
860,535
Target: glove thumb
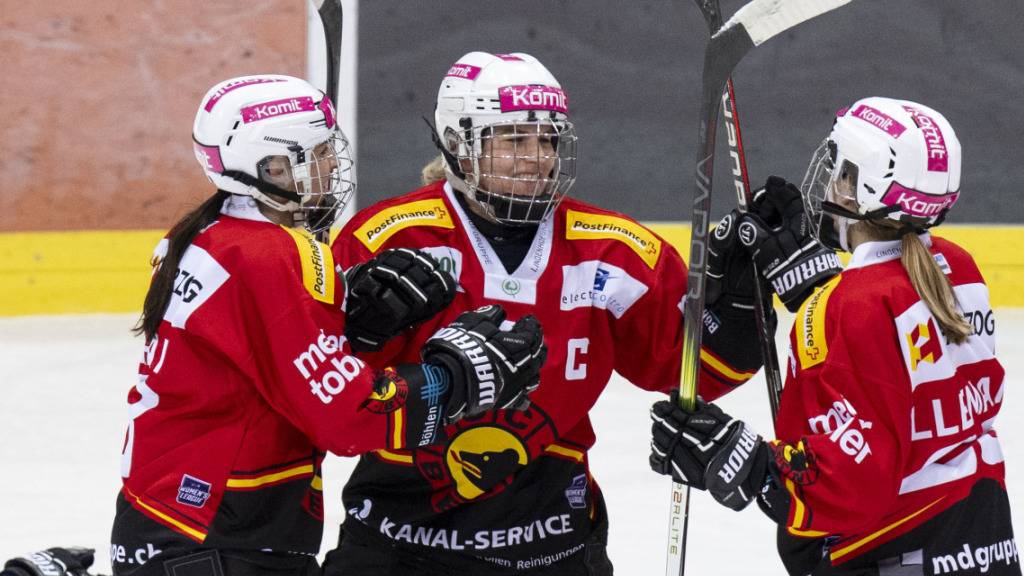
752,232
492,313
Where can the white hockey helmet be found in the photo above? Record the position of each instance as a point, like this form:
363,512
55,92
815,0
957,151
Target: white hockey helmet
275,138
501,122
901,160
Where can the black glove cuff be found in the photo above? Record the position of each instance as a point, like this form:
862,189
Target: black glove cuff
773,499
795,283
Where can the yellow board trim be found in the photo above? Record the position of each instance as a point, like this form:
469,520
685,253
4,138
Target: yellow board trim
386,223
87,272
723,369
585,226
389,455
317,483
839,553
242,483
184,528
317,265
567,452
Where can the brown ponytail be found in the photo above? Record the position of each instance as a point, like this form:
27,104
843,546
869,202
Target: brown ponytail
934,288
178,240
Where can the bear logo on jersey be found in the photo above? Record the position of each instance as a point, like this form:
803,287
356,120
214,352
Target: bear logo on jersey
483,455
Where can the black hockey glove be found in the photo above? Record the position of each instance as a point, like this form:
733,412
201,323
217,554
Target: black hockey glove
51,562
391,292
490,368
778,236
708,450
730,331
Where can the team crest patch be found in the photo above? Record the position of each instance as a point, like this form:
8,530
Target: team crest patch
386,223
193,491
389,394
584,226
483,455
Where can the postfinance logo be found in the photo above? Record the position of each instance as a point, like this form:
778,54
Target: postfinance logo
584,226
386,223
923,344
317,265
810,343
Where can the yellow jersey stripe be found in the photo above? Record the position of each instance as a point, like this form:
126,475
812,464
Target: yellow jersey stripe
567,452
394,457
398,428
270,478
724,370
839,553
197,535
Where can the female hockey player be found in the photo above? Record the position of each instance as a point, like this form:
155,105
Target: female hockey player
247,377
511,492
886,460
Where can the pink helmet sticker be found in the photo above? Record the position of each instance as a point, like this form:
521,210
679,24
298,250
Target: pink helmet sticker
274,108
509,57
512,98
917,203
327,108
467,71
235,86
208,156
879,120
938,155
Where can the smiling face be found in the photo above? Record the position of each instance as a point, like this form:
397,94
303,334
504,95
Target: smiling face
518,160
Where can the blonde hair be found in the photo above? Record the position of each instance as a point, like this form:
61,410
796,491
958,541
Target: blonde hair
433,171
928,280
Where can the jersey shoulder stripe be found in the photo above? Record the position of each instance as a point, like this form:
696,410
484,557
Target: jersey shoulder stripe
581,225
384,224
811,344
317,265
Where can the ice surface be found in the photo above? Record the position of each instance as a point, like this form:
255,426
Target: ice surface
63,416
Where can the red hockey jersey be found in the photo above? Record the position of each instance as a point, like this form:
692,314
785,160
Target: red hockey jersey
247,381
514,487
887,423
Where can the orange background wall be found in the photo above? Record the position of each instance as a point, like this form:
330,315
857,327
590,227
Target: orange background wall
96,110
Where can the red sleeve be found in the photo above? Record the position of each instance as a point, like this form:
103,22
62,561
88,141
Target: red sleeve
301,362
652,330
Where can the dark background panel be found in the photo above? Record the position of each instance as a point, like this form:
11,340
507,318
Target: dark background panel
632,73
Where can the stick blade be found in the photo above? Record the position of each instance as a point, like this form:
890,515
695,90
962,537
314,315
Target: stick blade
764,19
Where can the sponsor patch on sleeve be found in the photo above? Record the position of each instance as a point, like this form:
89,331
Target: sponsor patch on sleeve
383,225
810,329
584,226
317,265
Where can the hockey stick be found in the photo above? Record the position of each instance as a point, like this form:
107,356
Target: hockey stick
332,17
744,196
751,26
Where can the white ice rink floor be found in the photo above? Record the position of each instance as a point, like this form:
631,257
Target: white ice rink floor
62,420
